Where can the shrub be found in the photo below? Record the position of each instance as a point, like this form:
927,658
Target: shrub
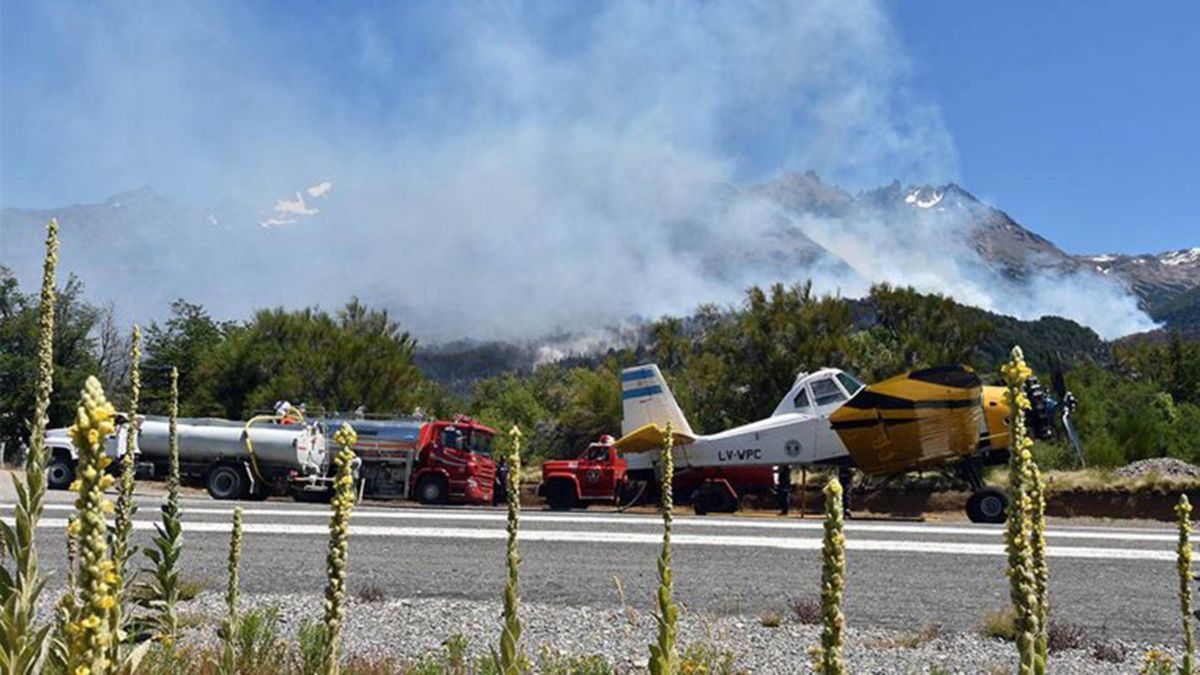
1109,652
371,594
1062,635
807,611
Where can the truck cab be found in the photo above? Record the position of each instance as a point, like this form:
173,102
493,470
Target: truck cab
63,457
454,462
596,475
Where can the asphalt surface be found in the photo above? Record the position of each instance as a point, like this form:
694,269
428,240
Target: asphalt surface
1116,582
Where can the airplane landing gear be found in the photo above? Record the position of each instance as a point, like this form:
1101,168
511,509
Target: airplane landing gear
988,504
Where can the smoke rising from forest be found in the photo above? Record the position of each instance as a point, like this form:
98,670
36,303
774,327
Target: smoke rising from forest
506,171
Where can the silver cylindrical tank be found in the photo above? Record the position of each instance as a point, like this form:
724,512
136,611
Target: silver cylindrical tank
208,440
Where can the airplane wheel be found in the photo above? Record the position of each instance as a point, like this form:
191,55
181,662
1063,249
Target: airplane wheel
988,505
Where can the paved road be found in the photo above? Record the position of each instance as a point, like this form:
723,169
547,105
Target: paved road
1115,582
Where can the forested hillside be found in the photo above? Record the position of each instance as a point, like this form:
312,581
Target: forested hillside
726,365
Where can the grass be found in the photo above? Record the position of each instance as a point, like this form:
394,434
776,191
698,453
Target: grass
705,658
1000,624
910,639
190,588
553,662
770,619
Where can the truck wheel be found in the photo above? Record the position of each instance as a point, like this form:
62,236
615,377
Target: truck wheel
560,496
988,505
60,472
713,497
226,482
432,490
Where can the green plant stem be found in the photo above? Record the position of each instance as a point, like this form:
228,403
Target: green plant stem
24,645
126,504
833,582
228,665
168,542
663,657
511,659
1184,512
339,545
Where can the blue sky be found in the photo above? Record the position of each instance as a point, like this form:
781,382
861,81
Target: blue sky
1080,120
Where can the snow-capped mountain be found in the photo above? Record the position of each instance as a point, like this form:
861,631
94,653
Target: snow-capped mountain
1156,277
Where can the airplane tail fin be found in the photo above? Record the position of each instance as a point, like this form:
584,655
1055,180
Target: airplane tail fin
647,400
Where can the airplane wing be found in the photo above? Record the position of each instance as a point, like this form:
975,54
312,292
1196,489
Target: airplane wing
649,437
921,418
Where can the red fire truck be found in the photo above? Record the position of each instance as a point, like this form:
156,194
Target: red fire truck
599,475
433,462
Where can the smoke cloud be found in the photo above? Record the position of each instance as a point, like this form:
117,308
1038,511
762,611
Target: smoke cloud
486,170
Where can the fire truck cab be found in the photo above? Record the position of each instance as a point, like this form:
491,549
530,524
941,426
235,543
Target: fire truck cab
598,474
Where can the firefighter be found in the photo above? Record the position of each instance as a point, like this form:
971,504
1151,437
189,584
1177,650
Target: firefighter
783,488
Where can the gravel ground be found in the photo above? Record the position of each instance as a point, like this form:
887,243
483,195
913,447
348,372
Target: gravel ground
1167,467
409,629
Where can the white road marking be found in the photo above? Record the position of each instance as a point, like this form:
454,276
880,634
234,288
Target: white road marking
744,523
733,541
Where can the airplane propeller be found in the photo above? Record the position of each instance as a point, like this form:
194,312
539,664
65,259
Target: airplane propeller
1067,404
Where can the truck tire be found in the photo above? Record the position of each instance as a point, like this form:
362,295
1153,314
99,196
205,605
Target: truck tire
60,471
715,497
560,496
226,482
432,490
989,505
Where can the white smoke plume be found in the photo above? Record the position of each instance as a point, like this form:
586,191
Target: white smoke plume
504,170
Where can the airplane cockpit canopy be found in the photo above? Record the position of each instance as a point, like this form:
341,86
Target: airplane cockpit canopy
819,392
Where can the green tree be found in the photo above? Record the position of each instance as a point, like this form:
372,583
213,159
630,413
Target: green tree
74,355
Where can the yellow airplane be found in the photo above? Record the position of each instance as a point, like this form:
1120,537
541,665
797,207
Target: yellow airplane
936,418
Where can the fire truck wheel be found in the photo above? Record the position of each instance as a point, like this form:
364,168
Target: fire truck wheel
59,472
225,482
988,505
432,490
560,496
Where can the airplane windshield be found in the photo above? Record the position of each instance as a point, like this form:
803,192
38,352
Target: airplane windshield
801,400
826,391
850,383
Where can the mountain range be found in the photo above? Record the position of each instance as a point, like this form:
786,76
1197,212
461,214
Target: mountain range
140,250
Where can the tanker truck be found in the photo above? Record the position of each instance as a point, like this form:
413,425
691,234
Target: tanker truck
433,462
233,460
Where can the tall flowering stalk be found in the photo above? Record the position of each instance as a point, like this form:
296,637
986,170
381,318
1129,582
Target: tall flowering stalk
663,659
1184,511
1041,568
510,660
1023,584
23,644
89,635
126,506
168,540
833,583
339,544
228,664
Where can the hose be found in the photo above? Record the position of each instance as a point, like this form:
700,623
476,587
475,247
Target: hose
292,415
